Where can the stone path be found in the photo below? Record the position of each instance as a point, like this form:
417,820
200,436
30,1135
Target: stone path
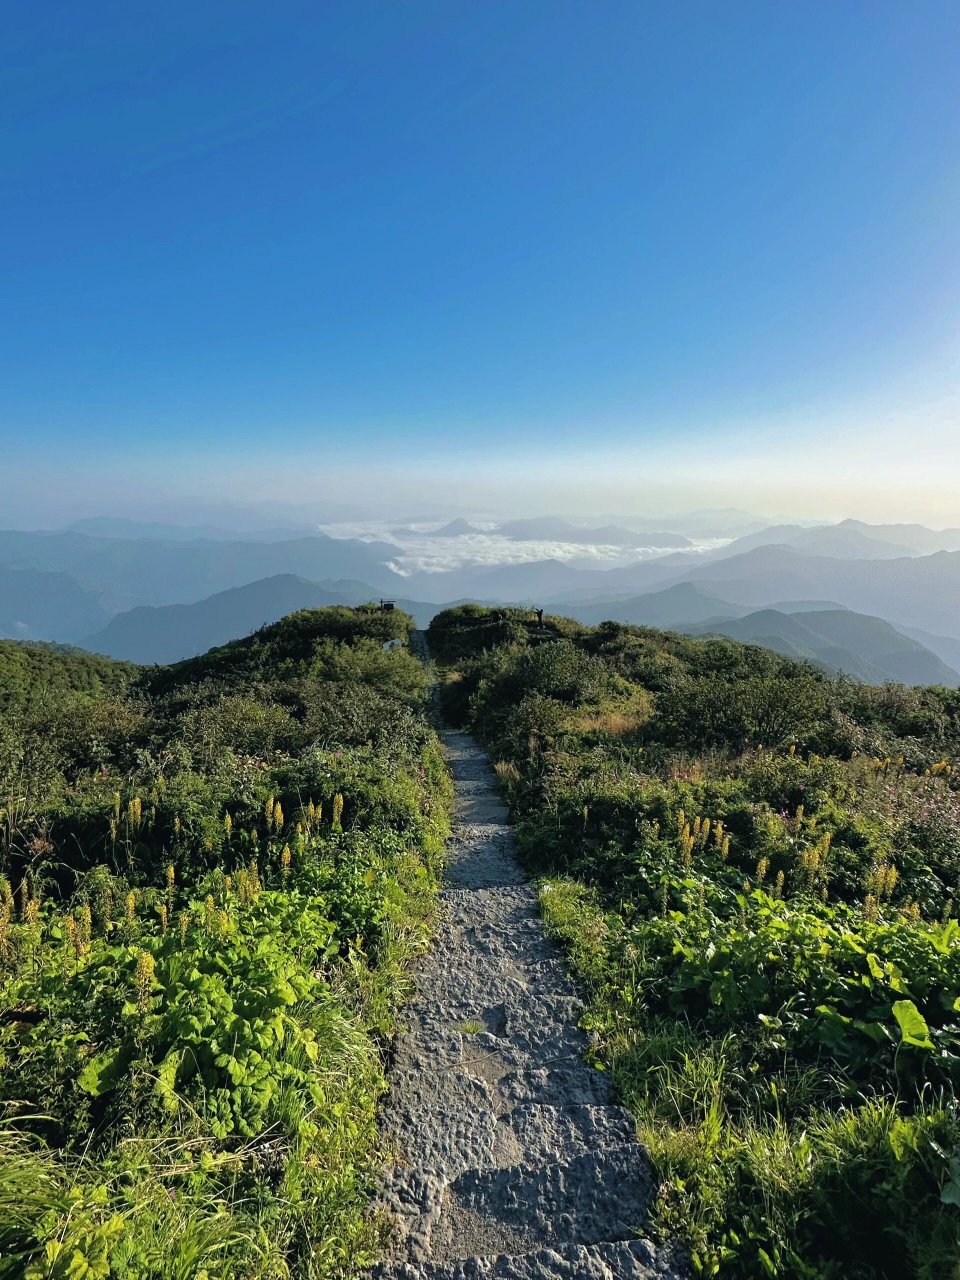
511,1160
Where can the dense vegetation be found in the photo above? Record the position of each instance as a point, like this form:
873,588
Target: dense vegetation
214,878
34,674
755,868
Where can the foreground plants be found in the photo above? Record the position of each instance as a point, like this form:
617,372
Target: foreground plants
206,928
755,870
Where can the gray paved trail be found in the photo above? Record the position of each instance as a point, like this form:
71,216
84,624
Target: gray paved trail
511,1159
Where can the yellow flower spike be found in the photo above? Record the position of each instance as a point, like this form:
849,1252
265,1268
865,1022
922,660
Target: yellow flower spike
85,925
143,979
130,907
337,809
286,858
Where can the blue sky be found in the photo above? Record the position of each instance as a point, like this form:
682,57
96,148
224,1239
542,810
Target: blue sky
536,246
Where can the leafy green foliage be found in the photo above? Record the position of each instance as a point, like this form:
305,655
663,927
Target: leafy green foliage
215,879
755,869
35,673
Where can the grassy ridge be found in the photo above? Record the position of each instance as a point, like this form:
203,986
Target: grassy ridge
755,869
215,878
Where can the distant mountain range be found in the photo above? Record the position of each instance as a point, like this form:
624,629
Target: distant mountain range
153,592
150,571
47,605
865,648
114,527
167,633
845,541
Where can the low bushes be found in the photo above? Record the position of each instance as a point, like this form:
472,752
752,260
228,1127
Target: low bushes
755,869
205,932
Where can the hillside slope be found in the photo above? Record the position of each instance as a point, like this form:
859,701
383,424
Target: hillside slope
42,604
866,648
34,673
169,633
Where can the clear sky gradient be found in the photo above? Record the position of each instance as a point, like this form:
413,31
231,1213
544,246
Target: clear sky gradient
596,253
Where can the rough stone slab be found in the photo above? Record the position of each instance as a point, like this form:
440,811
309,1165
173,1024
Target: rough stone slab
626,1260
585,1199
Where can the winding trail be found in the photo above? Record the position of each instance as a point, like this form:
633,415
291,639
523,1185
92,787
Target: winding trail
511,1160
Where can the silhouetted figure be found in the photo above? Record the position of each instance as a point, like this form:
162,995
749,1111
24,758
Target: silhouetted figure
539,617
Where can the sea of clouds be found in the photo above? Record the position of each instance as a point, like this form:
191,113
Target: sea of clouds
418,551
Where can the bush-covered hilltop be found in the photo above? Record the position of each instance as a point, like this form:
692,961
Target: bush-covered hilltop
756,869
36,674
214,878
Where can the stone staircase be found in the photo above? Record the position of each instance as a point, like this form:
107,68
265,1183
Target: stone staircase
510,1157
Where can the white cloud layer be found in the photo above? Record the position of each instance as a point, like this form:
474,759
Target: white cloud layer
418,552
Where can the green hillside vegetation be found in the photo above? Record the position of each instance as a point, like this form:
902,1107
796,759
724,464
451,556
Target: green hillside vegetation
755,868
839,640
215,877
37,674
